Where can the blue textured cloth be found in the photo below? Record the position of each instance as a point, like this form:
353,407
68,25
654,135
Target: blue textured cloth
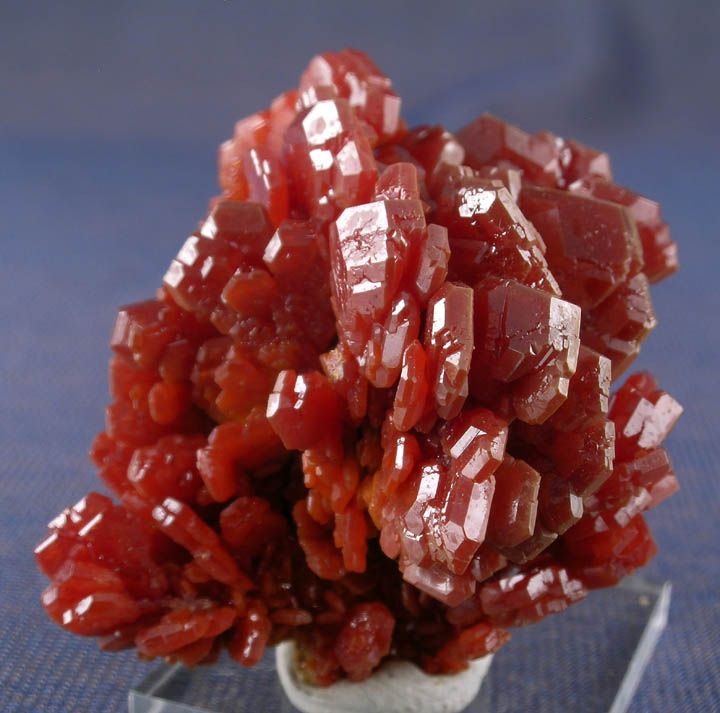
109,118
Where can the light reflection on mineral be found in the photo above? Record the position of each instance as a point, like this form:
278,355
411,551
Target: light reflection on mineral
363,411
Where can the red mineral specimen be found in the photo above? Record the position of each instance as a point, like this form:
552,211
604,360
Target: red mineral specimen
363,412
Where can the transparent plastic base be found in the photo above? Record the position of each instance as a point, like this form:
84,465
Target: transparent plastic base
590,658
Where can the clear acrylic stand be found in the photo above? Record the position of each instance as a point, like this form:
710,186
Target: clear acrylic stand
599,647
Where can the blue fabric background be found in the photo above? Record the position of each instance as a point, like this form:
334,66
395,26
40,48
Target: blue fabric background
110,114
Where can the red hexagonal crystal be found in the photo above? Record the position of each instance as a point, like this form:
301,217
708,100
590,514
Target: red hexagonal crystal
643,416
620,323
448,342
412,389
388,342
526,348
365,639
368,254
398,181
489,234
329,159
659,251
526,597
235,234
585,162
355,77
488,140
250,164
432,264
450,589
258,176
587,269
434,148
302,409
167,469
474,442
515,503
578,441
446,519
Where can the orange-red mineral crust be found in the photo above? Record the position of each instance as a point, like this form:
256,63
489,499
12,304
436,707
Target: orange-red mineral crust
370,407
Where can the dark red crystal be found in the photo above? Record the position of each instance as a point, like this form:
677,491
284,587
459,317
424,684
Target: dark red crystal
587,266
365,639
489,234
526,349
515,503
659,251
352,75
363,411
329,159
489,140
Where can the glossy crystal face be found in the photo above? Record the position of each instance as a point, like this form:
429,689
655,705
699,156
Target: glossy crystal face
369,409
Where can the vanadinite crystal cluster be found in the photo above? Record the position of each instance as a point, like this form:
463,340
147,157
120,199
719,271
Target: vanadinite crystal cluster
369,409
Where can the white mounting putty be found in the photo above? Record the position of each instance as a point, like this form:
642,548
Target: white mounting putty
396,687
